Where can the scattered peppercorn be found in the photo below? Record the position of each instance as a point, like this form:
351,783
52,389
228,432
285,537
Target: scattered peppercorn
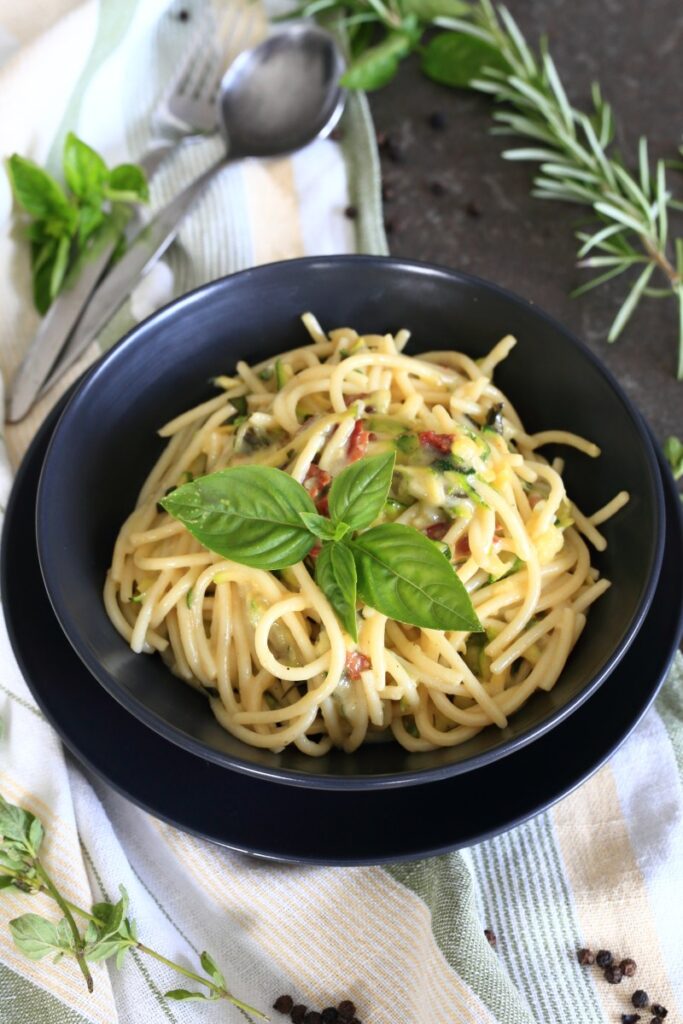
313,1017
389,226
183,15
472,209
330,1015
656,1020
490,937
628,967
603,958
391,149
659,1010
613,974
346,1009
283,1004
640,998
437,120
630,1018
337,134
586,957
437,188
351,212
298,1013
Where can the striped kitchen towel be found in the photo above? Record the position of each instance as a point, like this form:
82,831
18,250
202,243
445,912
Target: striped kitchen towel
604,867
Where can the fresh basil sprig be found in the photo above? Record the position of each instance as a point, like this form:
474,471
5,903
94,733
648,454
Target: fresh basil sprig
68,225
261,517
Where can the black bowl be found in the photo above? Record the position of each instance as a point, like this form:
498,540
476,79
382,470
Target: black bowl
105,444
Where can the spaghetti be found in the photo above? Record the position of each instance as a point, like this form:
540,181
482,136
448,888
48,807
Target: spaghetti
267,648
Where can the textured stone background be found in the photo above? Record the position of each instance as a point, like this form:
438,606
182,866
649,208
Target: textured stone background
634,49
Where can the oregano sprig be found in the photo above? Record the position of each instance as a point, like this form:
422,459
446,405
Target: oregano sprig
110,932
262,517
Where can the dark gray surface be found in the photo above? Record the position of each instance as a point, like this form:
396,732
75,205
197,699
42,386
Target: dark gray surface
528,244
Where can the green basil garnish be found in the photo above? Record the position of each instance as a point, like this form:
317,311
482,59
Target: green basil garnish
261,517
335,574
403,574
249,514
358,494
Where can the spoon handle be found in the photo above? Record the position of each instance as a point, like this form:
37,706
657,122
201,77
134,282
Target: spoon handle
150,243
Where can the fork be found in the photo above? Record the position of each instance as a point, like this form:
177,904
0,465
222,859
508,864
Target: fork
184,114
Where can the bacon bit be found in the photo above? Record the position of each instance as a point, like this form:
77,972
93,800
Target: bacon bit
462,546
442,442
358,442
315,551
356,663
437,531
319,480
322,505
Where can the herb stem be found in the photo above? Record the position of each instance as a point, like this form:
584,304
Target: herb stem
659,257
218,989
65,907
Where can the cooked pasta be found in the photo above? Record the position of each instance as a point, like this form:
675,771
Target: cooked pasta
267,648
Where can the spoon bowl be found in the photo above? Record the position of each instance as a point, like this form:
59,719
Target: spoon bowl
279,96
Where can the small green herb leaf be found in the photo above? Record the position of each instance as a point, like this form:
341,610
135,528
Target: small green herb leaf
85,171
358,494
15,824
454,58
323,527
250,514
427,10
127,183
38,192
211,968
6,881
335,574
37,937
183,995
378,65
673,450
402,574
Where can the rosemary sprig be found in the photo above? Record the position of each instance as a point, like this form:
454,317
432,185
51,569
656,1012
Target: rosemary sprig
109,932
576,165
484,49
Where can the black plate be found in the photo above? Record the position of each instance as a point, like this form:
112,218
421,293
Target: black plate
309,825
106,443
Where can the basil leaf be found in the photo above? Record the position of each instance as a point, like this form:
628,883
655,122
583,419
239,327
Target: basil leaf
323,527
37,937
403,574
358,494
454,58
673,450
249,514
37,191
85,171
59,265
127,182
335,574
378,65
17,824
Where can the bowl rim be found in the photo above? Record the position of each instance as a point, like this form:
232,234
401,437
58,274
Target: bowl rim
139,335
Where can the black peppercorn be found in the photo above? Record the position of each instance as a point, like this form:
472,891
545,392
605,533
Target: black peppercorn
640,998
437,188
490,936
183,15
659,1010
283,1004
472,209
298,1013
313,1017
603,958
630,1018
437,121
392,150
330,1015
346,1009
628,967
613,974
337,134
585,957
351,212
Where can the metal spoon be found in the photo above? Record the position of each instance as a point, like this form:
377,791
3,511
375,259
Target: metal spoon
273,100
